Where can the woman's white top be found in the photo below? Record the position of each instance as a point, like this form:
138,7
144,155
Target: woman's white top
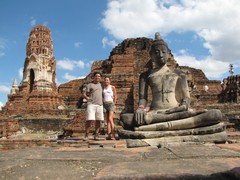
108,94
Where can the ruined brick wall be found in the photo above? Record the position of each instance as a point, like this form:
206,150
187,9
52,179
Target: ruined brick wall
202,90
44,124
34,103
231,89
77,125
71,93
8,126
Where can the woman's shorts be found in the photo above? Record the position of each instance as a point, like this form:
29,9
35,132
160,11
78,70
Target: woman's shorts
109,107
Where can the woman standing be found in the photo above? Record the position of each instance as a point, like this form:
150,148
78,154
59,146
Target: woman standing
109,100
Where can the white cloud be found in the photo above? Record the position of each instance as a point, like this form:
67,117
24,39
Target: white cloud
183,51
133,18
4,91
4,88
124,19
68,64
80,64
212,68
1,105
77,44
57,82
69,77
45,23
33,21
20,73
107,42
3,45
65,64
89,64
216,22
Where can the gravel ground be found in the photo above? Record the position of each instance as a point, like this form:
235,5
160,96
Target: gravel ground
53,169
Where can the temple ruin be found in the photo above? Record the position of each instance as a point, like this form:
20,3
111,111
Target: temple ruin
38,94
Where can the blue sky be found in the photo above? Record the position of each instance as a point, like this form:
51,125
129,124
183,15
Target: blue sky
202,34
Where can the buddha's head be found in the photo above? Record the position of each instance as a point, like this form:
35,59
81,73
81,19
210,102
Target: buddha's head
159,52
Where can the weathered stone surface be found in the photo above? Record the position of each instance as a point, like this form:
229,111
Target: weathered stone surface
136,143
164,141
126,134
207,162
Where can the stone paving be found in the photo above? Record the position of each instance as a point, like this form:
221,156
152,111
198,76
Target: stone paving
77,159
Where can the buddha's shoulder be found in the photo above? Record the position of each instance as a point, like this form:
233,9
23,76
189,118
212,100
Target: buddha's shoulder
179,72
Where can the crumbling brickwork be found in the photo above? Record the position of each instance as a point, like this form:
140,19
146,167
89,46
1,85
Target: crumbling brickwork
231,89
8,126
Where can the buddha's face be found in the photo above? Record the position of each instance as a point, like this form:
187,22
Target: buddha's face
159,55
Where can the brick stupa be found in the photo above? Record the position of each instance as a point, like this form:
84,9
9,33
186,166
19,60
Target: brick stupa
37,90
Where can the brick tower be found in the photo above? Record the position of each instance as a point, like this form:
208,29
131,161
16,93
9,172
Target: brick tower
38,90
40,66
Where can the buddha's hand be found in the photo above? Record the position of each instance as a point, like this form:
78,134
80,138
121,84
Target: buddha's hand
176,109
139,117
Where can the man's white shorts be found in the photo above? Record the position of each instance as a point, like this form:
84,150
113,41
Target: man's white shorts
94,112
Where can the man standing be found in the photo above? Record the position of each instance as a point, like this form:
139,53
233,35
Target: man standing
93,94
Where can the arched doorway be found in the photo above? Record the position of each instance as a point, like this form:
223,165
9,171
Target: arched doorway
32,77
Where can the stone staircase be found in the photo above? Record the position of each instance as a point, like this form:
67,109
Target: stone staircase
101,142
74,142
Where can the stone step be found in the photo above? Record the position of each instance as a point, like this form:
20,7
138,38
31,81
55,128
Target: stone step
108,144
101,142
229,124
233,133
234,136
6,144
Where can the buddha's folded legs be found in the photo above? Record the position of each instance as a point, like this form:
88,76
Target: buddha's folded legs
205,119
